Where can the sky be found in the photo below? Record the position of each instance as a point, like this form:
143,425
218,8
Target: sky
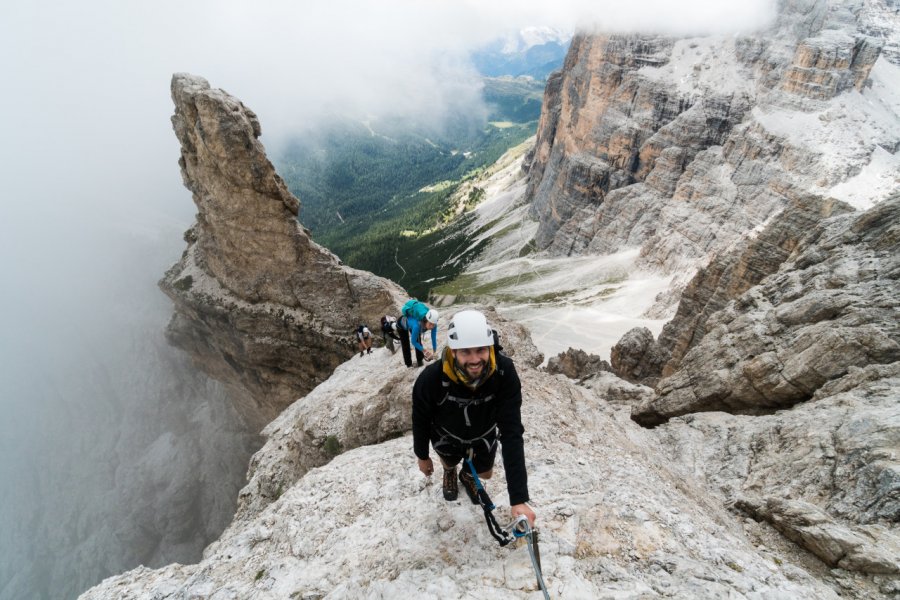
92,207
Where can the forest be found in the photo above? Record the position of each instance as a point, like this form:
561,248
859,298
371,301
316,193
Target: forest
374,192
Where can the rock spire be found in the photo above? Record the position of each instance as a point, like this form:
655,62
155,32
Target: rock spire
258,303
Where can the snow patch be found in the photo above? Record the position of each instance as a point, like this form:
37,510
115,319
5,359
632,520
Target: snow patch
700,65
847,133
873,184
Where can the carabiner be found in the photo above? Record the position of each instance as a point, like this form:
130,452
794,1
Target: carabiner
519,527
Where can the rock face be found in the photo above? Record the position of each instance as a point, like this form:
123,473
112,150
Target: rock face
832,305
577,364
837,452
637,357
615,390
733,273
829,63
836,545
258,304
818,337
681,147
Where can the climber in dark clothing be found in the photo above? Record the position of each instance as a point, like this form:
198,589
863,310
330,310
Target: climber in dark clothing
467,403
389,332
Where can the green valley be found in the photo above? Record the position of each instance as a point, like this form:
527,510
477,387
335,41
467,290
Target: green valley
384,195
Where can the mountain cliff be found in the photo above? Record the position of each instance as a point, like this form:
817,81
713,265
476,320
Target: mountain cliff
681,146
258,304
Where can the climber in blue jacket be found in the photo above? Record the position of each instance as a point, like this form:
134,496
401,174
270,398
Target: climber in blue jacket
410,328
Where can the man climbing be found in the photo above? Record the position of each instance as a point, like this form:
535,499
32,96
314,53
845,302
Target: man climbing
364,339
389,332
416,318
464,404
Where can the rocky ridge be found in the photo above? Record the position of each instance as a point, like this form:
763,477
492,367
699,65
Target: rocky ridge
616,521
354,407
258,304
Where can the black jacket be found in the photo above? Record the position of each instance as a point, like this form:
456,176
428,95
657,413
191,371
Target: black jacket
503,391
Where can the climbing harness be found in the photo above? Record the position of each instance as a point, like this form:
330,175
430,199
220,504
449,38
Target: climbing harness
517,529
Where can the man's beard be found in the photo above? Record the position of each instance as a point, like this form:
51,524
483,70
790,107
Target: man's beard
465,369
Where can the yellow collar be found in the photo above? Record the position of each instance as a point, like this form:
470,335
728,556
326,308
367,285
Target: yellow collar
458,376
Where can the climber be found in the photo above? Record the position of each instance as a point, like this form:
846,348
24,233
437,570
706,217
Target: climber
389,332
464,404
415,318
364,339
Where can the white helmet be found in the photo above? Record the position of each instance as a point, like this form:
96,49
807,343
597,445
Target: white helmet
432,316
469,329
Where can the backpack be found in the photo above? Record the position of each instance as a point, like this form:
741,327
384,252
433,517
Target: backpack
388,324
414,309
497,347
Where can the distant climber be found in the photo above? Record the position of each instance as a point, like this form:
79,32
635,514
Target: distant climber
364,339
416,318
389,332
463,405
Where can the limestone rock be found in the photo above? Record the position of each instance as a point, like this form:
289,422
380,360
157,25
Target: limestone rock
837,451
870,551
618,391
827,470
367,400
258,304
637,357
683,146
606,127
577,364
830,63
614,519
833,305
729,275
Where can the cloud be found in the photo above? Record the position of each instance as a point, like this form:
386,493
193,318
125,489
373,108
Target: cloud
293,61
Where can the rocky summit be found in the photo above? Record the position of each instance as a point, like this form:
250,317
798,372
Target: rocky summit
751,450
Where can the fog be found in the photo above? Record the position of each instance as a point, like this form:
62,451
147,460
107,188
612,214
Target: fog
96,408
